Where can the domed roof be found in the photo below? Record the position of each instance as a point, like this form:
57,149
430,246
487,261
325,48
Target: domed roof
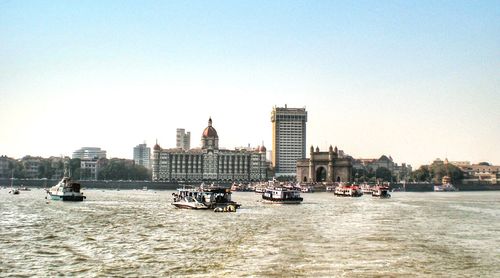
157,147
262,149
209,131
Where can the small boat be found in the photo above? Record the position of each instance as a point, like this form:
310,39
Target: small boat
24,188
66,190
144,188
213,197
13,190
448,187
381,192
281,195
306,189
348,191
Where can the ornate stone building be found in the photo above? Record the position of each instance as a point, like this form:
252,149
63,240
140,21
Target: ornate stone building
209,163
324,167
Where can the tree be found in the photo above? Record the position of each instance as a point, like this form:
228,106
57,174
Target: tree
422,174
383,173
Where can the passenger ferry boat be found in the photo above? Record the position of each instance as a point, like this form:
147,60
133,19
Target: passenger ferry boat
446,186
66,190
381,192
204,198
348,191
281,195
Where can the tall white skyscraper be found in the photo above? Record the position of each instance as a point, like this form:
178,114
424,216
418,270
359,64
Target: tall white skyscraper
289,139
183,139
142,154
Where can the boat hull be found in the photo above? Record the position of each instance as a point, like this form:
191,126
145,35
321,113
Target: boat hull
188,206
67,198
268,200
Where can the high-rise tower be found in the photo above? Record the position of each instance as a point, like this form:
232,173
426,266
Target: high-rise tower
183,139
289,139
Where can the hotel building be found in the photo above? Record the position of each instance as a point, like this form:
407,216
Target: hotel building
209,163
289,139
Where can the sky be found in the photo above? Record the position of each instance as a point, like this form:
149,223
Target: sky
416,80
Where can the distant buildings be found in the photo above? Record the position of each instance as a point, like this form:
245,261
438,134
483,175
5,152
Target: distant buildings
399,172
142,154
480,173
89,164
327,167
5,166
183,139
209,163
89,153
289,139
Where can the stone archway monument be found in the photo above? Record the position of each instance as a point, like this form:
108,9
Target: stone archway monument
326,167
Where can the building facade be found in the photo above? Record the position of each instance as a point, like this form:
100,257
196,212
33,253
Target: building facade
209,163
481,173
183,139
289,139
5,166
399,172
89,153
326,167
142,155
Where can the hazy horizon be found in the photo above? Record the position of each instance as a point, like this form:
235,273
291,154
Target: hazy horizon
413,80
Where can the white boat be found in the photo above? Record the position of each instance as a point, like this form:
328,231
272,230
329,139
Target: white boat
448,187
13,190
144,188
348,191
66,190
306,189
281,195
204,198
381,192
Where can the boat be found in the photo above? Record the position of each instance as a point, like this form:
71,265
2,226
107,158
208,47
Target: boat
24,188
446,185
306,189
281,195
381,192
367,189
347,190
240,187
213,197
144,188
66,190
13,190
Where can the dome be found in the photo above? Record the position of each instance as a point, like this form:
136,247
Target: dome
157,147
262,149
209,131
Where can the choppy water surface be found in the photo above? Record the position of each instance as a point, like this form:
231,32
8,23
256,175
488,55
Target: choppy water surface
138,233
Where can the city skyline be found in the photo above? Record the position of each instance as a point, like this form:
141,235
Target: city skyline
416,81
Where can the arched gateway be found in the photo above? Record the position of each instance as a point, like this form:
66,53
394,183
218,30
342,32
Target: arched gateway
324,167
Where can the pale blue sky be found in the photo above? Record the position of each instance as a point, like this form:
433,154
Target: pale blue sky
415,80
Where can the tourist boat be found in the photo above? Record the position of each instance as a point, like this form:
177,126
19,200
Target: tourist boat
445,188
13,190
240,187
281,195
306,189
204,198
367,189
381,192
344,190
66,190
